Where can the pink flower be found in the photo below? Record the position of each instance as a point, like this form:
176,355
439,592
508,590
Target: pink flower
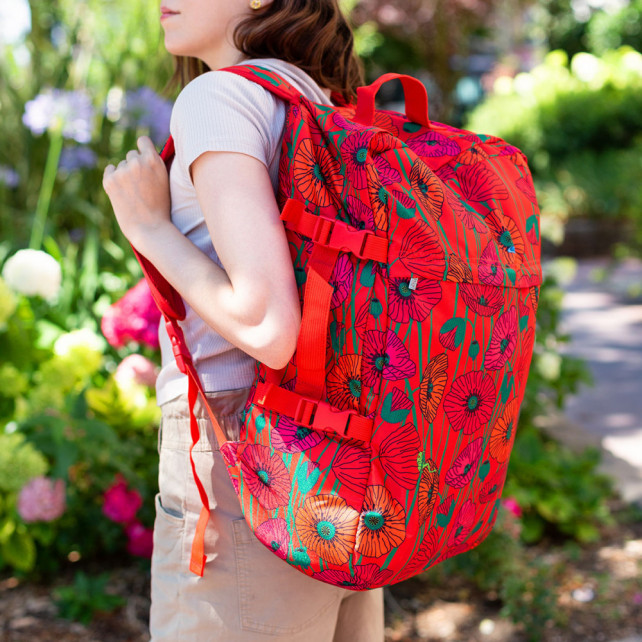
120,504
140,540
42,500
135,317
510,504
137,369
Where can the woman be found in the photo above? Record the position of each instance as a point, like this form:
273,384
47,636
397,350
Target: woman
212,229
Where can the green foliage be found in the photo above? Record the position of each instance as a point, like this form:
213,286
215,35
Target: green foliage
610,30
580,125
19,462
86,597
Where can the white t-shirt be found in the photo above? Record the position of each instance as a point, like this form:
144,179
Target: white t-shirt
220,111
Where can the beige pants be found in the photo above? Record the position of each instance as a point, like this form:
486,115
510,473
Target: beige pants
246,592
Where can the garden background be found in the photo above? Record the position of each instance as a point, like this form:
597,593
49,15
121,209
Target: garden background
80,80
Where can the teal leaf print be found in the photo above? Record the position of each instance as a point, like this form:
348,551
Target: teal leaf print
532,228
453,333
479,525
473,350
507,387
523,323
307,476
443,519
405,212
300,557
484,469
393,416
411,127
259,423
512,275
366,278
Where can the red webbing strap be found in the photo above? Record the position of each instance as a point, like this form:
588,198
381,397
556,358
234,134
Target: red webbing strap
334,233
313,413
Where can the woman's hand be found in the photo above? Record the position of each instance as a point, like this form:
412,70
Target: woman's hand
139,191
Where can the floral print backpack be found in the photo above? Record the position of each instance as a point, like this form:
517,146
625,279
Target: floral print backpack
382,448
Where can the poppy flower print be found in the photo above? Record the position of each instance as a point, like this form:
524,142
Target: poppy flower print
471,220
492,488
480,184
385,356
289,437
463,470
365,577
387,173
361,216
434,145
458,270
384,121
469,404
428,188
354,151
425,553
266,476
398,455
343,383
421,252
406,303
446,173
432,386
503,341
344,123
327,526
508,237
485,300
379,198
525,184
428,493
502,436
404,200
472,156
273,533
463,524
316,173
491,271
351,466
341,279
382,525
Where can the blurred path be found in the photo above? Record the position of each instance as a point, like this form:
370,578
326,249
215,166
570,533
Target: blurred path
604,319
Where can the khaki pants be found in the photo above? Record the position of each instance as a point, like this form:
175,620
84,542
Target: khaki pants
247,592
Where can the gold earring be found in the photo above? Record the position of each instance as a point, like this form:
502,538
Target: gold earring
255,4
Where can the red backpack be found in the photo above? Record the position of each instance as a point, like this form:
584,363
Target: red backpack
382,448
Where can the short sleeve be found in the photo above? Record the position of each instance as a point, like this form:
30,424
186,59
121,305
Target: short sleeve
221,111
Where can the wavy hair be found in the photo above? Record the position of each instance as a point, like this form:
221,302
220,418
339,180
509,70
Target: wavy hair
314,35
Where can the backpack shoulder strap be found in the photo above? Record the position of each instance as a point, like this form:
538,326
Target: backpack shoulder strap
268,79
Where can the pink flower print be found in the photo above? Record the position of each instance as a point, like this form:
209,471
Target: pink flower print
470,219
42,499
444,507
351,466
469,404
404,200
525,184
463,524
446,172
406,303
273,534
266,476
422,252
492,488
342,278
503,341
387,173
136,369
361,216
140,540
433,145
385,356
120,504
135,317
343,123
398,455
365,577
482,299
463,470
287,436
491,271
478,183
354,151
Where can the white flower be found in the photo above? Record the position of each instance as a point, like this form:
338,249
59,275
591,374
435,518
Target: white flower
32,272
78,340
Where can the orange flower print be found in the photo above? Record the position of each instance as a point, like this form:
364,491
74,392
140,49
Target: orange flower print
344,383
379,198
458,270
508,237
427,186
327,526
428,490
382,525
502,436
432,386
316,173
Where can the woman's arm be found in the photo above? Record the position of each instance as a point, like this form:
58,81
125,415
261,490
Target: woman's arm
255,305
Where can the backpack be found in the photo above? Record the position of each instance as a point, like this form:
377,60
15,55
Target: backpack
382,448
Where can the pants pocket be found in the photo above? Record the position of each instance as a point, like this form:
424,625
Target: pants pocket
276,599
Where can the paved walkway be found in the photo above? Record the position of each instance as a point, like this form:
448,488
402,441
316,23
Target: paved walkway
604,319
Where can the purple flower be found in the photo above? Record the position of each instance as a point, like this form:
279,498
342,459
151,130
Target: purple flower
72,108
73,158
145,108
9,177
42,500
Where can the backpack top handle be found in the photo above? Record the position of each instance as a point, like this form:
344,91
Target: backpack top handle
416,100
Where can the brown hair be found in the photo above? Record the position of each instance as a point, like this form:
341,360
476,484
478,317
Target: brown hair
311,34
